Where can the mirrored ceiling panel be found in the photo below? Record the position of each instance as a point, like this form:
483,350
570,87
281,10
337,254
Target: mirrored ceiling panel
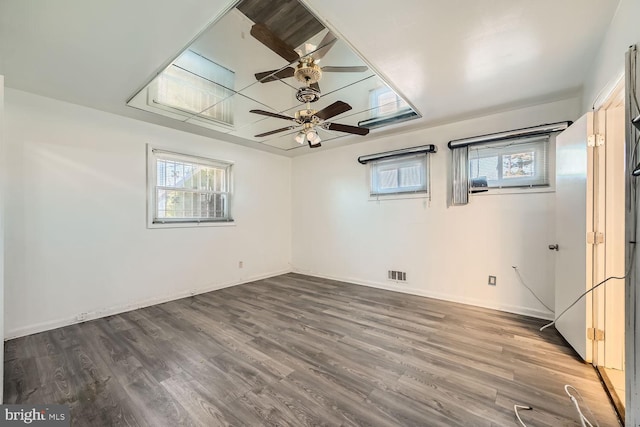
270,71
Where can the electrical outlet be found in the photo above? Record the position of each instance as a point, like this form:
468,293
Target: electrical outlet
240,264
492,280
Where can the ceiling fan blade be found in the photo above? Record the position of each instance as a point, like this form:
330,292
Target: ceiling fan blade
270,114
327,43
333,110
347,128
274,75
260,135
354,69
318,145
264,35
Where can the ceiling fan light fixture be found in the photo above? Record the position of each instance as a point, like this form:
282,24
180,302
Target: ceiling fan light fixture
313,137
300,138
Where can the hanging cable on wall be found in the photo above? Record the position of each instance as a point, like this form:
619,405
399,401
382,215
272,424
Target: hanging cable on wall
515,268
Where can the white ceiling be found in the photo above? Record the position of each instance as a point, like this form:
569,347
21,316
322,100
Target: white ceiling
451,59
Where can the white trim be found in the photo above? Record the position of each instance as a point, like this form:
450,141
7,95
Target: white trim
398,196
191,224
110,311
397,287
606,93
515,190
632,283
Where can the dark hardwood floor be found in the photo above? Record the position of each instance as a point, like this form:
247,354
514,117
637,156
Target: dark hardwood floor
297,350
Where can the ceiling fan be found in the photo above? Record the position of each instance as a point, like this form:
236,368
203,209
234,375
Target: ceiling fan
307,71
308,119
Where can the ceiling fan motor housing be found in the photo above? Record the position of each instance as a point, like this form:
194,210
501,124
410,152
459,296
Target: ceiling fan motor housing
307,116
307,94
308,72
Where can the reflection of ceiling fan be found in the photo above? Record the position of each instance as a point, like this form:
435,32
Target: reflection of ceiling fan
307,71
308,119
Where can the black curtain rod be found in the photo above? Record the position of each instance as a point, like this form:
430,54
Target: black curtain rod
510,134
430,148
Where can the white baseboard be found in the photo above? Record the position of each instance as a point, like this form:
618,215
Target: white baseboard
110,311
397,287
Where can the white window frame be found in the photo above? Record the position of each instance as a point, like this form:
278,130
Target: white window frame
523,186
153,155
421,191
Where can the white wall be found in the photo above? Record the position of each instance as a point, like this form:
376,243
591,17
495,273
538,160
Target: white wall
447,252
76,236
608,65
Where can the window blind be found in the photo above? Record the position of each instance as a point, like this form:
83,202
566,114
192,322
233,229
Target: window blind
520,162
406,174
197,85
188,188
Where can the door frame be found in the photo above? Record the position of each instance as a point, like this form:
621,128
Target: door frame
632,283
606,214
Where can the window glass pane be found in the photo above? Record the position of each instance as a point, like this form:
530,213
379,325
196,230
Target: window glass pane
384,101
410,176
485,166
161,172
217,180
174,204
387,102
191,190
516,163
400,175
388,179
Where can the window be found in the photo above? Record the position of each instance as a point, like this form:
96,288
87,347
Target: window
406,174
194,84
386,107
188,189
514,163
384,101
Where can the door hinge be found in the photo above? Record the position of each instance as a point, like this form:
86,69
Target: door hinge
595,238
595,140
594,334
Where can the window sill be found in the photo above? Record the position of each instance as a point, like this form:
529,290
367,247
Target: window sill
501,191
384,197
191,224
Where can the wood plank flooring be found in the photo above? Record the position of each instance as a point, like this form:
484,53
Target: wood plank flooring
299,351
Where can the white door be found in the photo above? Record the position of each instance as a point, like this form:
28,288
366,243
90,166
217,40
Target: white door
573,261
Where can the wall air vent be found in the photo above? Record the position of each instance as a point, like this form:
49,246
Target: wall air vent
398,276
